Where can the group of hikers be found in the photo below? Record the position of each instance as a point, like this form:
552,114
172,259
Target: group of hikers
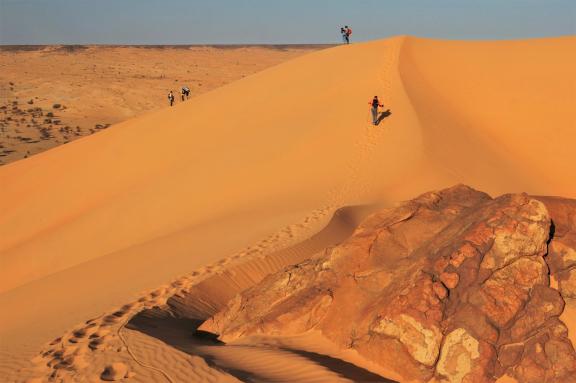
184,94
346,32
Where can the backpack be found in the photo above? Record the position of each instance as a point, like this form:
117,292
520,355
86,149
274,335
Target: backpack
349,31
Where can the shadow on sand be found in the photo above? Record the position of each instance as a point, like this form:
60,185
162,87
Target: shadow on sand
182,334
382,116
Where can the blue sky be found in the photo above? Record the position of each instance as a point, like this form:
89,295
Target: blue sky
276,21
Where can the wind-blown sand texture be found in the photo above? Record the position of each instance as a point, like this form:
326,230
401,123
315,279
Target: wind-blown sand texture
93,87
255,169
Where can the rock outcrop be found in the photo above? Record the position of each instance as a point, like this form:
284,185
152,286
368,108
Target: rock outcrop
452,286
561,256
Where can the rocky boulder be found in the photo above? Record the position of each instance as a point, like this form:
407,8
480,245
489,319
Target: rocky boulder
562,247
451,286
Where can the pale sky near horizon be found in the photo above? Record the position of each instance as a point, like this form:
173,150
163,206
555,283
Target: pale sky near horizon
276,22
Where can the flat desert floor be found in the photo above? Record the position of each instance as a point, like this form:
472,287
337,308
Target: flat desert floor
51,95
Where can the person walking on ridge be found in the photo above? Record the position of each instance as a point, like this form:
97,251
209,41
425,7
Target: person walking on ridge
374,109
343,33
171,98
348,33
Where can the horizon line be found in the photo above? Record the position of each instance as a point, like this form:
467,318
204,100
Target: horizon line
232,44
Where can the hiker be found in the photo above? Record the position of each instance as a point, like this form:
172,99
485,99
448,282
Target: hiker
348,33
375,104
185,92
343,33
171,98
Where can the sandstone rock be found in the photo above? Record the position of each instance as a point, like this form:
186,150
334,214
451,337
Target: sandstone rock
560,353
507,290
451,285
423,343
450,280
562,247
560,256
440,290
567,282
463,358
545,303
511,236
510,354
473,320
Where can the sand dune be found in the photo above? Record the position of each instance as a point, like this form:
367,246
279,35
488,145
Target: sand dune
87,226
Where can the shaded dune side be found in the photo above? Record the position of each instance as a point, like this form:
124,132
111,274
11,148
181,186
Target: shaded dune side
498,115
159,340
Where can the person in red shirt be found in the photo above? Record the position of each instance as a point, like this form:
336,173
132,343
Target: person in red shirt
348,33
374,109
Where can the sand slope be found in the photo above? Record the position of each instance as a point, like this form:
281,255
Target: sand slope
500,114
87,225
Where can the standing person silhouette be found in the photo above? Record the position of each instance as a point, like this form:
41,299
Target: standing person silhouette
348,33
171,98
374,109
343,33
185,93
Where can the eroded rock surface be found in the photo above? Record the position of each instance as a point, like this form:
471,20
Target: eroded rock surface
453,285
562,248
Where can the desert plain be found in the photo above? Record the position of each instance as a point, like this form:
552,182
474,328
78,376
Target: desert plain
52,95
266,231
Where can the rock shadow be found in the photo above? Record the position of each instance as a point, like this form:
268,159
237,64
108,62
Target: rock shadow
183,335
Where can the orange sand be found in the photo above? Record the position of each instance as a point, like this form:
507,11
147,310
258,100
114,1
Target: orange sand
88,225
